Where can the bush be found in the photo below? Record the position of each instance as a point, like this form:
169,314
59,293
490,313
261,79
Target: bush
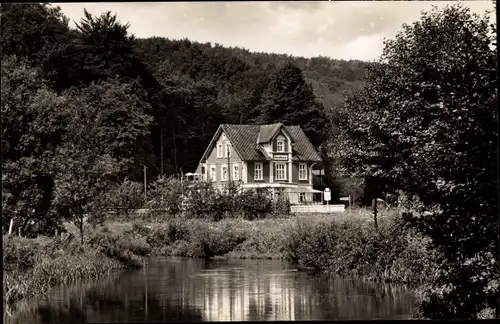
254,204
201,200
18,253
353,247
280,206
32,266
128,195
165,194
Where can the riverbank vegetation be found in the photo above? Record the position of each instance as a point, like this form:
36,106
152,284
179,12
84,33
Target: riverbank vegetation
32,266
347,244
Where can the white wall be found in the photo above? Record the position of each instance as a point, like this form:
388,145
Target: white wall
318,209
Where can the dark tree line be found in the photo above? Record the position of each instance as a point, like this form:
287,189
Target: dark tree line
76,102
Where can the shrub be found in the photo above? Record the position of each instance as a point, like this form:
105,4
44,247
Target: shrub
280,206
32,266
353,247
203,201
254,204
165,194
19,253
128,195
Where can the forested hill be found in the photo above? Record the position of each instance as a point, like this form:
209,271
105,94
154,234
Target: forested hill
226,66
160,101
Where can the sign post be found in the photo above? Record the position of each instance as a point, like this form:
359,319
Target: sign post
327,195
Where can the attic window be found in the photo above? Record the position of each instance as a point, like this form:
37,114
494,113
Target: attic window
280,144
219,150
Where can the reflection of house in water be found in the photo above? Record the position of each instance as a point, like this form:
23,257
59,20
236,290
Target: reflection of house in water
221,297
186,290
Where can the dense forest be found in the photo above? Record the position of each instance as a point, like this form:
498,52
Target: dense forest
185,89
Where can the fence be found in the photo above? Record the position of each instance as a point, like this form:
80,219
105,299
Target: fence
317,209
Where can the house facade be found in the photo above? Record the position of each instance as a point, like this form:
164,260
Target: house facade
277,157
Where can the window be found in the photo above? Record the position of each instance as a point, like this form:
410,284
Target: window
258,171
228,150
280,171
236,172
280,144
302,171
212,172
302,196
224,172
219,150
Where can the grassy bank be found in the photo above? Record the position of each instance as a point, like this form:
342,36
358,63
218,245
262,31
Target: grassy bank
346,244
32,266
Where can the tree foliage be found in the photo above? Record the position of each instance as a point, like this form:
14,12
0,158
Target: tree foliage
34,120
425,123
40,34
291,101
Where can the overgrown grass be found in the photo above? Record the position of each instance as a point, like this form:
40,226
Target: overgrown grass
32,266
346,244
349,245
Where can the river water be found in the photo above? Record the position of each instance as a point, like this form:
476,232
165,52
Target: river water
172,289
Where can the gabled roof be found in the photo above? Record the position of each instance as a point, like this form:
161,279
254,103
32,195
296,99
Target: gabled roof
267,132
245,140
303,149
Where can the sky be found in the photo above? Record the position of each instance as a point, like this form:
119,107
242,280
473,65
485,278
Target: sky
337,29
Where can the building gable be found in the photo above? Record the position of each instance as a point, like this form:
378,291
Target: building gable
218,148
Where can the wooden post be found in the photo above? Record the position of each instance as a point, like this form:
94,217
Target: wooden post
81,225
11,225
145,195
229,166
375,213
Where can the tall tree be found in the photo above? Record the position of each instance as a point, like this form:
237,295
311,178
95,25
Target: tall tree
34,120
106,49
426,124
102,145
39,33
118,119
290,100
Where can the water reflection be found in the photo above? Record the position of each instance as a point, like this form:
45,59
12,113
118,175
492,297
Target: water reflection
192,290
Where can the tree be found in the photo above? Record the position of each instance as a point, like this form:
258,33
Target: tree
239,97
425,123
101,146
83,177
116,115
290,100
40,34
34,120
106,49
